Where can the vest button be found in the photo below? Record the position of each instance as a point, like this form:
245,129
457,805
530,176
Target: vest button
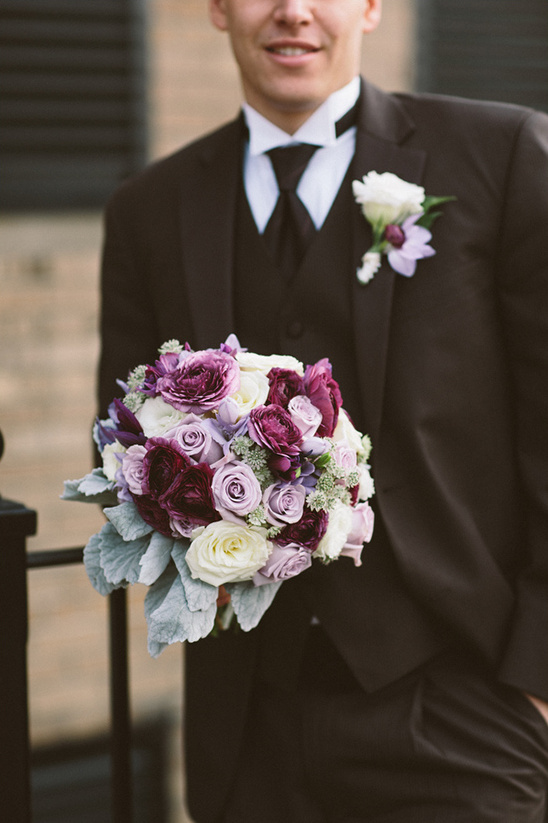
294,329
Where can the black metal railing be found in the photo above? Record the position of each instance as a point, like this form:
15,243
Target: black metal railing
17,523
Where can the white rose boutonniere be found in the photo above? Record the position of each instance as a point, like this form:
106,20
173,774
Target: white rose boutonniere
400,214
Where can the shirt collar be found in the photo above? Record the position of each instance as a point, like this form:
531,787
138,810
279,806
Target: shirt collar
319,129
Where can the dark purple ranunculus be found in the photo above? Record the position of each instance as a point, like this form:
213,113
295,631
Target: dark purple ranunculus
201,381
325,394
152,513
273,428
162,463
307,532
284,385
190,496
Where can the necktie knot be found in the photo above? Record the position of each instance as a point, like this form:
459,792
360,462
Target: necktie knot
289,163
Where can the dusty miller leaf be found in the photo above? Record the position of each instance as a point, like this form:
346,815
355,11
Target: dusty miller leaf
199,595
119,558
173,621
156,558
251,602
93,566
128,522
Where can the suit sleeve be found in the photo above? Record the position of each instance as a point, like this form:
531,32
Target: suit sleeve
523,291
128,327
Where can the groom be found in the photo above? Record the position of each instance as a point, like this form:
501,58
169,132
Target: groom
411,688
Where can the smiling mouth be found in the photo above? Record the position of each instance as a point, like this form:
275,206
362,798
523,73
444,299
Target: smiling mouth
290,51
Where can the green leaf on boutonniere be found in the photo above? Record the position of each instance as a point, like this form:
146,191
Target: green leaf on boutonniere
429,216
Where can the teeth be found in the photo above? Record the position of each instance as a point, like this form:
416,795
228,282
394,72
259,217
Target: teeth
291,51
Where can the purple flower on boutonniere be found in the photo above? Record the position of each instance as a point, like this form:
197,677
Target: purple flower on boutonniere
400,215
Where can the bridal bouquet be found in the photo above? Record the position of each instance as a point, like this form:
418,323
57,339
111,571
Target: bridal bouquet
223,474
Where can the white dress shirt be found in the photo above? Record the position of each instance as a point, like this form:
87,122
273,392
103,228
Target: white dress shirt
325,172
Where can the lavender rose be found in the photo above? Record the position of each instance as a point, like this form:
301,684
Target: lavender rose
305,415
200,382
194,437
284,384
236,489
307,532
284,503
132,468
273,428
363,520
284,562
325,394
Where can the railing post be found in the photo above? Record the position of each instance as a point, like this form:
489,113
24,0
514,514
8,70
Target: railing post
16,524
121,782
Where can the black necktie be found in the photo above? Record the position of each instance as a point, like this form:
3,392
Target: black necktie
290,227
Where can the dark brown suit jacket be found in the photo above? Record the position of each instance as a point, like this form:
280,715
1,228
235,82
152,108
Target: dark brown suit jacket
452,365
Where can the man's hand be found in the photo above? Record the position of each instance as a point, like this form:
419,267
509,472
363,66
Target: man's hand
541,705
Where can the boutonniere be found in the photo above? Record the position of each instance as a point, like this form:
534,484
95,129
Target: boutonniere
400,215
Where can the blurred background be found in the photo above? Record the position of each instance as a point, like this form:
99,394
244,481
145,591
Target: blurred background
89,93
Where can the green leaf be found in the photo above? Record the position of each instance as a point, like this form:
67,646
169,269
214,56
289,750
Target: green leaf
251,602
128,521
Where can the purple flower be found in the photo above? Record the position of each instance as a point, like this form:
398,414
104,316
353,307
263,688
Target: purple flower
325,394
127,429
305,415
194,436
284,562
162,463
190,498
165,364
273,428
363,520
284,384
284,503
133,469
152,513
236,489
201,381
413,246
307,532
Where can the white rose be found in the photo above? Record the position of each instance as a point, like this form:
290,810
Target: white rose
338,529
259,362
366,487
225,552
253,391
345,430
111,463
386,198
157,417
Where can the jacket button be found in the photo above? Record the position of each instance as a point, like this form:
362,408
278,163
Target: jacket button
294,329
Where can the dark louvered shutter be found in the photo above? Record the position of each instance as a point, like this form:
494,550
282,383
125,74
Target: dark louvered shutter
72,114
484,49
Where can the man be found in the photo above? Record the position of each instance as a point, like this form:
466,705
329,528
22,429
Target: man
411,688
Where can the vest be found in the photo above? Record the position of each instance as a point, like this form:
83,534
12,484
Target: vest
310,318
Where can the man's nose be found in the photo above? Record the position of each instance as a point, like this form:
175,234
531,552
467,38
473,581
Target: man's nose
294,12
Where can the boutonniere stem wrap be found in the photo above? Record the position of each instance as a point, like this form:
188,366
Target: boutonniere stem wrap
400,215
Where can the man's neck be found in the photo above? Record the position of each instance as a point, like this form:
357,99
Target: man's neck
291,121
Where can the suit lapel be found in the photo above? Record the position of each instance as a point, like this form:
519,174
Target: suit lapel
383,128
208,214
